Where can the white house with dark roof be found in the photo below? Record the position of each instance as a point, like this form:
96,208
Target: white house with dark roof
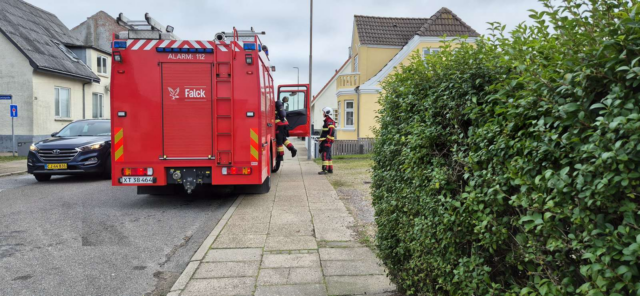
53,76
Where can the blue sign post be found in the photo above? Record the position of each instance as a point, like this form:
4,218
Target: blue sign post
14,110
14,113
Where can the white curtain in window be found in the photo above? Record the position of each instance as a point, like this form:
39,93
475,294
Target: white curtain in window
63,102
97,106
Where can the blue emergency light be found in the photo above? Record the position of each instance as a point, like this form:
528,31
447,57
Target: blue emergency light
170,49
249,46
119,44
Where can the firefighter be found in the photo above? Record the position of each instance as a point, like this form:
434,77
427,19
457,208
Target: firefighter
326,141
282,131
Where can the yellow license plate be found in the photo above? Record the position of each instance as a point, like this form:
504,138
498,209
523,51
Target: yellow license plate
56,166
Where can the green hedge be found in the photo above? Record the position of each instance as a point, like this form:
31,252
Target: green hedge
512,166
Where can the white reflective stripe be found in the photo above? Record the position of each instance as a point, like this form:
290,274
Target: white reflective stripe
185,46
164,43
151,44
129,42
175,45
236,48
221,48
139,44
195,45
241,44
207,44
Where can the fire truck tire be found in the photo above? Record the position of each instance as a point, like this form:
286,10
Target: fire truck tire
106,174
275,163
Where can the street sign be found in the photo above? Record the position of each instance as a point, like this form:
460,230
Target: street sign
6,97
14,110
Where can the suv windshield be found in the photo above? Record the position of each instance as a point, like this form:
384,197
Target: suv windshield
86,129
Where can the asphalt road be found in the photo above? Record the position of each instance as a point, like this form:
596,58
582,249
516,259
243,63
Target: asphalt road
81,236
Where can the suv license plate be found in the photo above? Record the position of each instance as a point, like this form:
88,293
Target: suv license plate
56,166
136,180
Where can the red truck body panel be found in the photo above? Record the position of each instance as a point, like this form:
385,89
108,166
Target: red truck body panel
182,107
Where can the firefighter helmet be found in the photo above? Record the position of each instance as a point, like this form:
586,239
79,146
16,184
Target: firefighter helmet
328,111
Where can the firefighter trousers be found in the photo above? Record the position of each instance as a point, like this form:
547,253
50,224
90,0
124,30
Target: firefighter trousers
325,152
281,140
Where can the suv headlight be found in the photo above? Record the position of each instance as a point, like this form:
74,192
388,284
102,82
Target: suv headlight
94,146
33,148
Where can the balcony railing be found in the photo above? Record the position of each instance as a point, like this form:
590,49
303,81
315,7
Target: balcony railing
348,81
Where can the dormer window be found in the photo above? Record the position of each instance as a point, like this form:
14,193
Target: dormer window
66,51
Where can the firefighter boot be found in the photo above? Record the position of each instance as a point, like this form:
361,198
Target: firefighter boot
294,151
324,170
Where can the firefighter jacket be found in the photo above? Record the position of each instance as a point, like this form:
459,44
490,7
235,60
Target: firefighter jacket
328,132
281,114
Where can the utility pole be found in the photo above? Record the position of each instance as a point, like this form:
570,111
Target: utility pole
298,68
310,77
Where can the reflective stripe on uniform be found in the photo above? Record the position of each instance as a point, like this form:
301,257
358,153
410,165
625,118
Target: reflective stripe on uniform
322,139
325,162
330,138
332,126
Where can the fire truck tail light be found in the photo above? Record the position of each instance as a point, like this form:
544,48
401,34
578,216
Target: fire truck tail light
236,171
137,172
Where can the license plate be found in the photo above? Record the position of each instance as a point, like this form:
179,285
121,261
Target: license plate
56,166
136,180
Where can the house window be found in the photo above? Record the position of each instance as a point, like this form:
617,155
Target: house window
355,65
348,114
102,65
428,51
98,105
63,102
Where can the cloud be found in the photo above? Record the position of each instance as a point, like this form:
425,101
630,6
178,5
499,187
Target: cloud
287,23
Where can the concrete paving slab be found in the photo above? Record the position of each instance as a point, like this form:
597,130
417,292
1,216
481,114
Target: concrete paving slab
284,217
359,285
240,241
290,276
289,204
227,269
291,229
219,255
290,260
298,197
332,205
234,229
312,194
335,254
260,218
334,233
275,243
294,290
361,267
220,286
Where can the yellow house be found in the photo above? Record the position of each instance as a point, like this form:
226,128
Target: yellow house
378,46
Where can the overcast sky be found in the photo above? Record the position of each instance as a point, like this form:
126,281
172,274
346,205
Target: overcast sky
287,23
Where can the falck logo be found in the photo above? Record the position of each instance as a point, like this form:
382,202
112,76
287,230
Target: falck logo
174,93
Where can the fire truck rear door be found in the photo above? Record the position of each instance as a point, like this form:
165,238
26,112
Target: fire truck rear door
187,117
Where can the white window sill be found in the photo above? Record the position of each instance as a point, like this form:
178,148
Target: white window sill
63,119
347,129
103,75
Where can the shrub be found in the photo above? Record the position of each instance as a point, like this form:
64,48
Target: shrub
512,166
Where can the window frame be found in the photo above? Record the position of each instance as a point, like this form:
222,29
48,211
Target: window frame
347,111
430,50
356,64
104,67
57,107
100,96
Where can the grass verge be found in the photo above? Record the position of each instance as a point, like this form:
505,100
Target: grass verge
11,158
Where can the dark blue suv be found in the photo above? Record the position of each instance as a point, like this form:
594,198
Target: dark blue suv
81,147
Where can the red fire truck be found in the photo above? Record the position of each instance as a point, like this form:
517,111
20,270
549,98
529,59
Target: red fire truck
192,112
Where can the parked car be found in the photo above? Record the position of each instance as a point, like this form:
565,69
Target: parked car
82,147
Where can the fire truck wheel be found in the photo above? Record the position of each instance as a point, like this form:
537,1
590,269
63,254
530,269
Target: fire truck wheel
106,174
275,166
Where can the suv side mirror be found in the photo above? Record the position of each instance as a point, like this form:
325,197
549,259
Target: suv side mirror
54,134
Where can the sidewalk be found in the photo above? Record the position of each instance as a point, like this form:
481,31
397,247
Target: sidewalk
294,240
13,167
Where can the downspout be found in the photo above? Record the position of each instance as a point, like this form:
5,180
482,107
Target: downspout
83,101
358,119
